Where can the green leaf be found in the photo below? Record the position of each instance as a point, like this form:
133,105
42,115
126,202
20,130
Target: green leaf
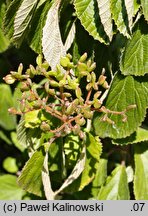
135,56
100,177
116,187
129,7
93,152
137,5
9,17
31,179
72,149
22,19
141,171
52,44
9,190
144,4
38,21
140,135
7,121
9,164
119,99
17,97
32,119
120,16
4,137
4,42
105,16
16,142
88,13
28,137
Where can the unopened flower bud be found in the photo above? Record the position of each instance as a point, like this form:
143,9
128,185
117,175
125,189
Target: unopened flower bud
70,109
80,121
45,65
39,60
83,57
92,67
13,111
64,61
53,83
20,68
97,94
44,126
93,77
9,79
89,63
67,94
62,83
89,86
69,56
52,92
97,103
101,79
24,86
78,92
87,114
32,71
105,85
37,104
47,87
89,77
82,66
83,73
76,129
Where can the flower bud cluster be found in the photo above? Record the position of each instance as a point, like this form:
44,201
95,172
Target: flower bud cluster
61,93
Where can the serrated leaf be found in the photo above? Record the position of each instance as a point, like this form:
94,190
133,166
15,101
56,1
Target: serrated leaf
52,44
129,5
141,171
137,5
100,177
31,178
10,16
140,135
144,4
93,152
7,121
77,170
28,137
9,190
16,142
135,57
22,19
116,187
88,13
119,100
72,150
38,21
4,42
120,16
105,16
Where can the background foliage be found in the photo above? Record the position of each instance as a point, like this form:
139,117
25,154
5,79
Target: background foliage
114,33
